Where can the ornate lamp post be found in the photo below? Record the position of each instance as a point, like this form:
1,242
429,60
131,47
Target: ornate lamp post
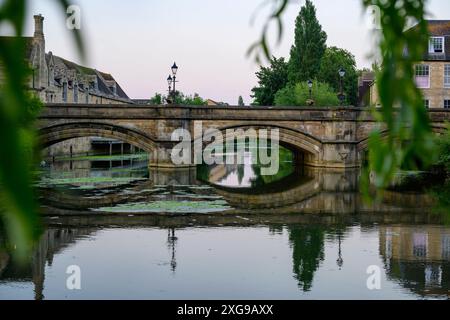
341,94
172,80
169,81
172,241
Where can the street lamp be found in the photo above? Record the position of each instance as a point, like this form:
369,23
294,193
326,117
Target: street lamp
341,95
310,84
172,80
174,69
169,81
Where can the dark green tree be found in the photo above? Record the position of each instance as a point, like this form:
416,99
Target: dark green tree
270,80
309,46
308,253
334,59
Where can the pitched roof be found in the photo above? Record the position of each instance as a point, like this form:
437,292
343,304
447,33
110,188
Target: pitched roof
438,28
101,77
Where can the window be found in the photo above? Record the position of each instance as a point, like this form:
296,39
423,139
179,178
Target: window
426,103
420,245
436,45
446,104
445,245
447,76
423,76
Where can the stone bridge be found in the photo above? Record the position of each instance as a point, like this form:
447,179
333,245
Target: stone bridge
334,137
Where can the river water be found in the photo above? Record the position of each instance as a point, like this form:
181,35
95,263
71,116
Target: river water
227,232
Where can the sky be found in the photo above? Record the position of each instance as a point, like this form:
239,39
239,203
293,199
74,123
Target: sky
137,41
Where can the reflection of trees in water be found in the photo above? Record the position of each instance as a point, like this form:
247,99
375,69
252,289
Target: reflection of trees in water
308,252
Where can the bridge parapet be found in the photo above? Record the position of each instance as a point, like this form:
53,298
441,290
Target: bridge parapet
336,133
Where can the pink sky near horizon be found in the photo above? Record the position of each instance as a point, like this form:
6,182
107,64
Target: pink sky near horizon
138,40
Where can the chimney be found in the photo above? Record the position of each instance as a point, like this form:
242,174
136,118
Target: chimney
38,26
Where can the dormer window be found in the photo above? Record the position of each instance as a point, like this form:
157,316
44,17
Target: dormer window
436,45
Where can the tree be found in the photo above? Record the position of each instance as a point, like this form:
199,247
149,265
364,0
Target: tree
241,102
309,46
157,99
297,95
270,80
18,203
189,100
334,59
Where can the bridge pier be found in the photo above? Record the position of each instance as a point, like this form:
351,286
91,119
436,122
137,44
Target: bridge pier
339,155
161,157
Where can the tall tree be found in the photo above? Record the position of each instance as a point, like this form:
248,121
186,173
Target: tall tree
334,59
309,46
270,80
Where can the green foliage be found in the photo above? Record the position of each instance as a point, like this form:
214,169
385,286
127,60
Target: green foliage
261,46
309,46
157,99
409,140
270,80
18,206
443,147
334,59
298,95
189,100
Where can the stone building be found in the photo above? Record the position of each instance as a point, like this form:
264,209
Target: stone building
57,80
365,81
432,74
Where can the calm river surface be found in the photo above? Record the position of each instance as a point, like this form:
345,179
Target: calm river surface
226,232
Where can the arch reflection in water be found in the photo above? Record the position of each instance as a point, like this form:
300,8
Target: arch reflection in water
248,175
92,163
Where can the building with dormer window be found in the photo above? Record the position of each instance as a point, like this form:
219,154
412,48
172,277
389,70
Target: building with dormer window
432,74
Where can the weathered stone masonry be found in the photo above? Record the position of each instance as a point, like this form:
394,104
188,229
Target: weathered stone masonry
328,137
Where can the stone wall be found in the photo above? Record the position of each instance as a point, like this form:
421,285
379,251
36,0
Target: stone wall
330,137
437,92
76,146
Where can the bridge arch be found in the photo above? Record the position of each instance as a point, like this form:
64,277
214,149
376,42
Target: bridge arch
53,134
294,140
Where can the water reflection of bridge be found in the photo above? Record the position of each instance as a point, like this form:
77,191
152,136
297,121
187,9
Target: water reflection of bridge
311,191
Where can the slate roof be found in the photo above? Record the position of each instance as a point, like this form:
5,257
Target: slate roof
101,77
